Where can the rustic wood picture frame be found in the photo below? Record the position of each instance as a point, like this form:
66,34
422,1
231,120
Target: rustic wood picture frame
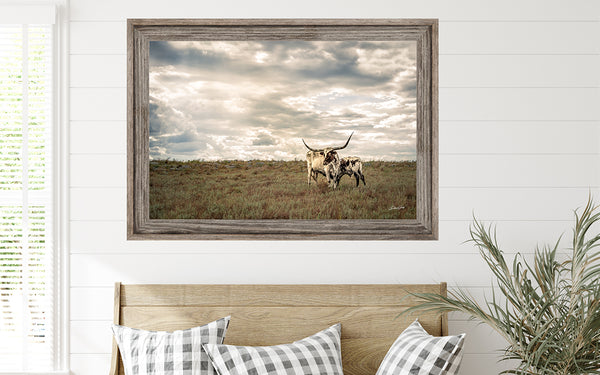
141,31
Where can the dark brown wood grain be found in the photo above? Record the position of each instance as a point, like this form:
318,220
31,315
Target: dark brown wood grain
141,31
277,314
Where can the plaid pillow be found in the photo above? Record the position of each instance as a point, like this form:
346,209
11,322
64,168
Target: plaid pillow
168,353
416,352
314,355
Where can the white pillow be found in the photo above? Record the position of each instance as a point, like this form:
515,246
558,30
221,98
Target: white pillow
168,353
319,354
416,352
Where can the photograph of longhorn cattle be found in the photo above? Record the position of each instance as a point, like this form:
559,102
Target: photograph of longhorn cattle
327,162
282,130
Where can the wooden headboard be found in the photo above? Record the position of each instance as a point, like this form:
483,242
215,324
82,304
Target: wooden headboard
277,314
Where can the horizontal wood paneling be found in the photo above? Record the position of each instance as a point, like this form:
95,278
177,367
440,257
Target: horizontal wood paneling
514,104
90,364
106,237
98,137
98,70
94,337
98,204
92,303
91,337
98,38
283,322
464,10
480,338
511,203
456,104
526,38
537,137
282,268
518,170
95,303
363,356
98,104
484,364
455,171
455,37
98,170
101,204
270,295
519,70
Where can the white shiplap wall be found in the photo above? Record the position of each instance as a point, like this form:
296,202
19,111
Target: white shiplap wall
519,145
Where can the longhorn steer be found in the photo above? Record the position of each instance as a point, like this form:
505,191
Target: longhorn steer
351,166
323,161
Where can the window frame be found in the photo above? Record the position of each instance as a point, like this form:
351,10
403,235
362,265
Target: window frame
60,182
61,189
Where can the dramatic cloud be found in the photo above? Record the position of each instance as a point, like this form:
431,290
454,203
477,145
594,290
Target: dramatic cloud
258,99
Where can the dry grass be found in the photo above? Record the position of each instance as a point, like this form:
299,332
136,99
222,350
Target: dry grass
261,189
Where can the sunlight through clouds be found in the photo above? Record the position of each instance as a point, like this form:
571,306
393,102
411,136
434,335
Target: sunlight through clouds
256,99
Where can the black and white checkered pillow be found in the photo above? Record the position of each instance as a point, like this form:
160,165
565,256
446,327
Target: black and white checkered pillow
168,353
319,354
416,352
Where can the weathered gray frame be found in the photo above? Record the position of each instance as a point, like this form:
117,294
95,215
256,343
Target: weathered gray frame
141,31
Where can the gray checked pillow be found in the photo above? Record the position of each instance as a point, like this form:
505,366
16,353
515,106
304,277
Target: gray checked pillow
416,352
168,353
319,354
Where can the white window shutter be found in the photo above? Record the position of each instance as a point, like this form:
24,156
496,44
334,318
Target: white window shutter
26,189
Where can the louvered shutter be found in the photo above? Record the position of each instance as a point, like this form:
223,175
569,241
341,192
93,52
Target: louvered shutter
26,190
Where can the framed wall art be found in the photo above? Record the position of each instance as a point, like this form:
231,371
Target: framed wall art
282,129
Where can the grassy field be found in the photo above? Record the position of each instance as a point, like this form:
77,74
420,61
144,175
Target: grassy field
261,189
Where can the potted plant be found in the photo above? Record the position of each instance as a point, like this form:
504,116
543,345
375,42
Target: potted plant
548,310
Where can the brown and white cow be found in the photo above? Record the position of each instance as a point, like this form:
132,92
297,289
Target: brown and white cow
351,166
323,161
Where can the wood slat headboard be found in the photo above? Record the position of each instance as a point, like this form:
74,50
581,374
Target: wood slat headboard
277,314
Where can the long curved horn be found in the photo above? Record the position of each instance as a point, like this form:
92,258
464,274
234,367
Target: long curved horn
312,149
344,146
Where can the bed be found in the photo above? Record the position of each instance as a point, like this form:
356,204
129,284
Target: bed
276,314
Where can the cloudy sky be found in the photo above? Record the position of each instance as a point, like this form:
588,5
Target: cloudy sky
258,99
